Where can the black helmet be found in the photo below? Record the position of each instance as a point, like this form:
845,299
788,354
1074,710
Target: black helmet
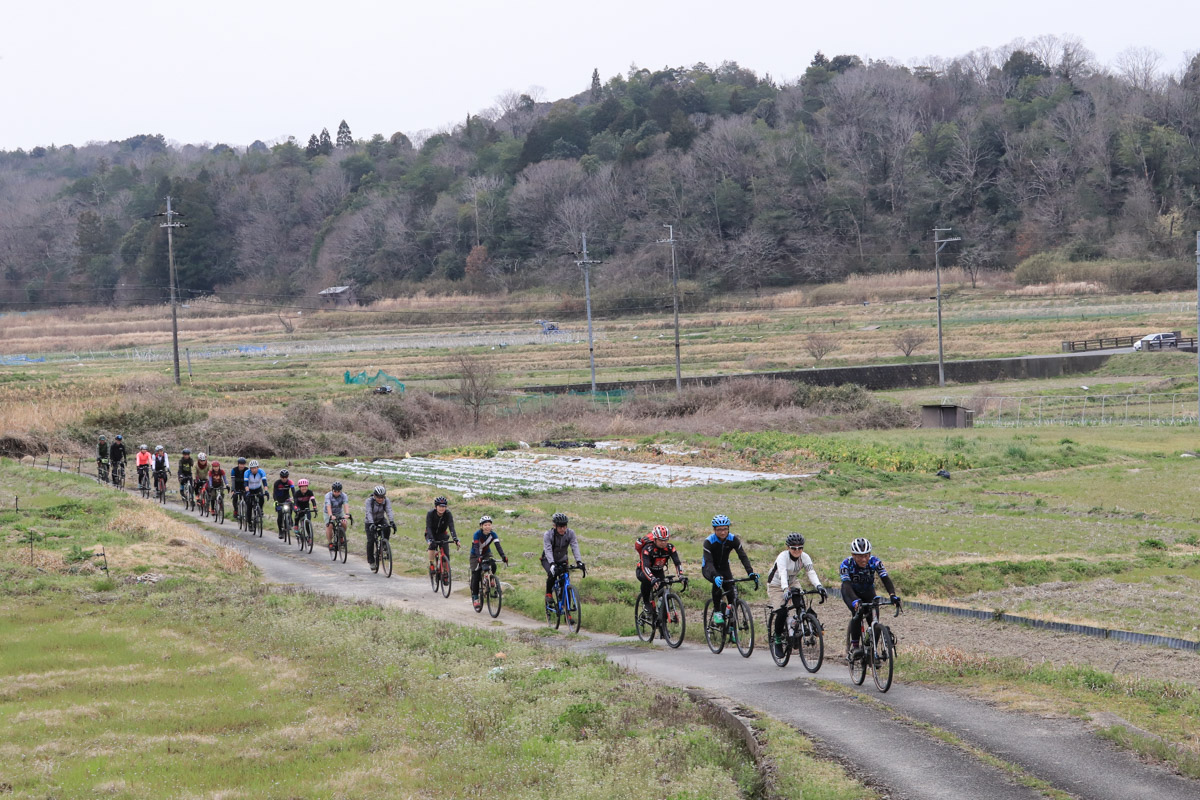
440,501
283,473
187,451
337,486
795,540
241,459
559,518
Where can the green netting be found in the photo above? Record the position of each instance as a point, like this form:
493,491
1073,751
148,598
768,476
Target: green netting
380,378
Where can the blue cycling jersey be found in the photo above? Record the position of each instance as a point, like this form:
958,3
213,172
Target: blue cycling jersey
255,479
862,577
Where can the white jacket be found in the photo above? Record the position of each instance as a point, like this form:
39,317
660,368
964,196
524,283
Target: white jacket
786,571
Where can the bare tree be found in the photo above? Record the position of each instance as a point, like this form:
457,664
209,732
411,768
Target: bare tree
820,345
909,340
478,382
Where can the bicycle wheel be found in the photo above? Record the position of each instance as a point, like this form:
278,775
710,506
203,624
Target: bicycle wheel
446,578
812,641
675,624
858,666
343,548
219,513
557,610
333,551
435,574
572,610
745,628
257,519
144,486
287,528
781,651
713,634
883,658
495,595
308,534
385,558
641,623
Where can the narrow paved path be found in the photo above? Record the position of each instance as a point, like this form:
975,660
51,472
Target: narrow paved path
881,738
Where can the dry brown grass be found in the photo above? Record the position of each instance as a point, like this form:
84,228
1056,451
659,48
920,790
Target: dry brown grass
1070,288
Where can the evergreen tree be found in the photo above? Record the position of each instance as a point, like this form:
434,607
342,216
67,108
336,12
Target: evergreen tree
344,138
596,89
326,143
314,147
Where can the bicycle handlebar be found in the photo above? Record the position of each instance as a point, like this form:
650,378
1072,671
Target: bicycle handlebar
879,601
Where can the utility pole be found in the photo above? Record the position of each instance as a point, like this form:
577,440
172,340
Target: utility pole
586,265
675,297
1198,325
170,224
937,268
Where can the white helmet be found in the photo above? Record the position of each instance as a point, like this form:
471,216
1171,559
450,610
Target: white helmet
201,456
484,518
253,464
860,547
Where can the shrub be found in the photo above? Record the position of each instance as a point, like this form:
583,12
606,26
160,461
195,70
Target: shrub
1038,268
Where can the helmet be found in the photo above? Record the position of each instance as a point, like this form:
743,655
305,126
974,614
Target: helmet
484,518
302,482
241,459
559,518
720,520
440,501
379,491
103,437
119,437
860,547
142,447
795,540
187,451
283,473
215,464
660,533
337,486
202,456
158,448
253,464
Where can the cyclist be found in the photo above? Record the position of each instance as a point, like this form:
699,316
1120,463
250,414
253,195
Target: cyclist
102,452
162,465
714,564
439,530
116,456
143,463
256,484
237,481
185,465
379,520
305,501
217,481
858,586
656,549
481,546
335,506
785,575
282,491
200,478
554,551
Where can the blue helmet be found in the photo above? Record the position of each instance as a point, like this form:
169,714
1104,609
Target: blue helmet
720,520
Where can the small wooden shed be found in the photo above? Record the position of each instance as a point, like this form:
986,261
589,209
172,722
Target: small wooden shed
945,415
338,296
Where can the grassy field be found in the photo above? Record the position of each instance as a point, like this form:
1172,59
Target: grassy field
205,683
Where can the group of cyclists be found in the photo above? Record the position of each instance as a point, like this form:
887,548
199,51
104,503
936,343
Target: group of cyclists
248,484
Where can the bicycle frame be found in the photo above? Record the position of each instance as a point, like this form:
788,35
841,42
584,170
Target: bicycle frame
562,582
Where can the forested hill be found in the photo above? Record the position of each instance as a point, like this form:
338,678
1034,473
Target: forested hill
1021,150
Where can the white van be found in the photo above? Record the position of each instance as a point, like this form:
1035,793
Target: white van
1156,341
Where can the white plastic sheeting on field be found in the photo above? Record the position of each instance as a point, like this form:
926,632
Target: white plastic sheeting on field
509,473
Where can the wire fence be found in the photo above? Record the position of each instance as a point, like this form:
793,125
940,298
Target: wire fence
1152,409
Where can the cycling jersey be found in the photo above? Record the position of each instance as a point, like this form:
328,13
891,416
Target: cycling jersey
237,476
655,558
216,479
481,544
116,452
379,512
185,466
162,463
102,452
554,546
143,458
438,526
305,500
202,468
256,480
859,582
787,570
716,555
283,490
336,503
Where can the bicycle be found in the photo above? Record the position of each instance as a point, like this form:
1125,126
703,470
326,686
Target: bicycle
102,470
805,633
737,625
144,482
217,504
565,602
239,508
284,524
383,548
118,475
160,486
304,529
254,515
489,587
187,494
202,500
340,546
667,615
440,575
879,648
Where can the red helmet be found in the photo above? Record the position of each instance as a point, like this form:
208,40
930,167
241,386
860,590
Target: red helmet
215,464
660,534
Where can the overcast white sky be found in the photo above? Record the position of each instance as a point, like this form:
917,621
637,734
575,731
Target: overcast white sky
223,71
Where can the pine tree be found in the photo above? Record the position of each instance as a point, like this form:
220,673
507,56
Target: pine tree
344,137
314,147
596,89
326,144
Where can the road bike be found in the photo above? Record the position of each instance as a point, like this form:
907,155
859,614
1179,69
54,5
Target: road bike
254,514
382,557
565,603
118,475
304,529
340,547
284,519
665,615
160,486
239,509
878,646
187,494
489,587
202,500
144,482
441,574
804,633
737,625
102,470
217,503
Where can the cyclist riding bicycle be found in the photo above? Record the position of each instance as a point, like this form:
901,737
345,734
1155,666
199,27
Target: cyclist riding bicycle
858,586
555,543
185,465
714,564
217,479
237,484
200,476
305,501
439,530
335,506
282,491
378,512
143,463
116,456
102,449
784,577
655,550
481,547
161,463
256,484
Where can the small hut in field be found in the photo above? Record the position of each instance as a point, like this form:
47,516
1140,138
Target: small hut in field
338,297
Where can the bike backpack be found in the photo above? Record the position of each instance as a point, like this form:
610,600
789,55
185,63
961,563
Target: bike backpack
640,543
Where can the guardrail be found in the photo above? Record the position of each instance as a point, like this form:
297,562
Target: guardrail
1154,409
1114,342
